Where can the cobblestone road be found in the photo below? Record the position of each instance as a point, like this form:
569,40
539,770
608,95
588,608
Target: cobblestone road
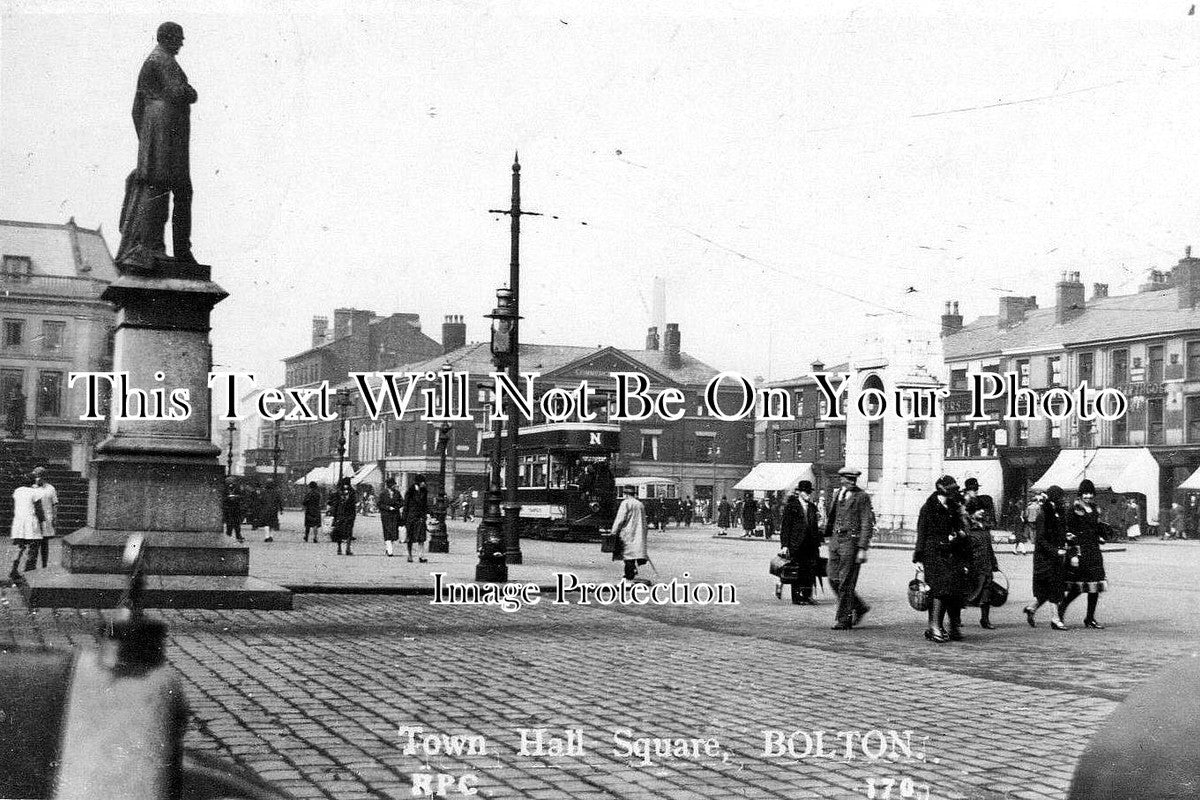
314,699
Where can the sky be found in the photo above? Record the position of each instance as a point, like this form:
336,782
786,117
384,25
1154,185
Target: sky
802,180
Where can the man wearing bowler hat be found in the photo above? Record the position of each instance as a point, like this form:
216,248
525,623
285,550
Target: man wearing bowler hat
849,528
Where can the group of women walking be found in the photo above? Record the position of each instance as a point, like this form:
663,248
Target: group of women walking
954,549
1067,561
409,511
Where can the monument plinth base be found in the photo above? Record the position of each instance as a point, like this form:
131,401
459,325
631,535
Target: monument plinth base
57,588
157,474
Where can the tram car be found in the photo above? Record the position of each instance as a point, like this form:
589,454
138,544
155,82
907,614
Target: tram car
564,479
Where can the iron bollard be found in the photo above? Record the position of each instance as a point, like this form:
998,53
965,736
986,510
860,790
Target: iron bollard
109,721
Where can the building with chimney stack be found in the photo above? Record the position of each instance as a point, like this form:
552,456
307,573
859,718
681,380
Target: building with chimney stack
702,456
1147,345
360,341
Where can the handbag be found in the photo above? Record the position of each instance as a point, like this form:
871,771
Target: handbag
608,542
918,593
778,564
998,592
822,568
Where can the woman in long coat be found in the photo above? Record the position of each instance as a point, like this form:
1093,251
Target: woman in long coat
724,516
749,515
312,511
343,506
1049,550
416,508
389,514
1085,570
980,517
943,549
800,536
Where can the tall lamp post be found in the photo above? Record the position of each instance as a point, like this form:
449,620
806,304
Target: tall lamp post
229,458
512,505
343,403
275,451
439,541
493,532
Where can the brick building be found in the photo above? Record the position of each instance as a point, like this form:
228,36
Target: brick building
807,438
360,341
1147,345
702,454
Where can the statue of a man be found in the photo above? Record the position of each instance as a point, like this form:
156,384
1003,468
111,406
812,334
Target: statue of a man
161,116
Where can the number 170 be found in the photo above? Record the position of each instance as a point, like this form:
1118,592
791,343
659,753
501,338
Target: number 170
881,789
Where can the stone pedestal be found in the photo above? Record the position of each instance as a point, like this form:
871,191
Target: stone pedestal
158,476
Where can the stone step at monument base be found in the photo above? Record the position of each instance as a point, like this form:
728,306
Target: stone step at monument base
57,588
166,553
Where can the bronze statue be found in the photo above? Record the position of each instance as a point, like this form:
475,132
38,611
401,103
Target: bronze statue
161,116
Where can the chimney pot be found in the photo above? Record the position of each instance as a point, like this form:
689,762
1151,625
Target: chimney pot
454,333
1068,299
671,346
320,330
951,320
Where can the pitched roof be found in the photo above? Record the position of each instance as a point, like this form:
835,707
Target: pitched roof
1131,316
806,378
543,358
59,250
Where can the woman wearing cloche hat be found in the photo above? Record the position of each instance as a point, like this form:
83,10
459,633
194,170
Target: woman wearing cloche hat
1085,563
1049,551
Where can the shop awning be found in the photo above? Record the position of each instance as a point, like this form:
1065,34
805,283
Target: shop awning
1121,469
368,473
1192,483
776,476
325,476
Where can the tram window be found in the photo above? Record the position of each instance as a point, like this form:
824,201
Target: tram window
558,472
532,472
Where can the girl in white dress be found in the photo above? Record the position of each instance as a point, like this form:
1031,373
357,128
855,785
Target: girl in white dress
26,525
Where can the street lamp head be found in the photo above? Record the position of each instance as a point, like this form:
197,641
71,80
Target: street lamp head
503,318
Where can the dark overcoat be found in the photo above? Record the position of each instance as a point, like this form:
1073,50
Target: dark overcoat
389,512
800,535
312,508
162,116
724,513
1049,572
749,513
231,506
983,554
344,507
944,548
1083,523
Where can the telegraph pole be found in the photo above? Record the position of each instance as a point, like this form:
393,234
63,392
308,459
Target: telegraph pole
512,503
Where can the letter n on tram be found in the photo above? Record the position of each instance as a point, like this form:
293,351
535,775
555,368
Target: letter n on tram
565,480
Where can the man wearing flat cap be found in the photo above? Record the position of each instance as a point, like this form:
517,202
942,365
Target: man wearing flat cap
849,528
